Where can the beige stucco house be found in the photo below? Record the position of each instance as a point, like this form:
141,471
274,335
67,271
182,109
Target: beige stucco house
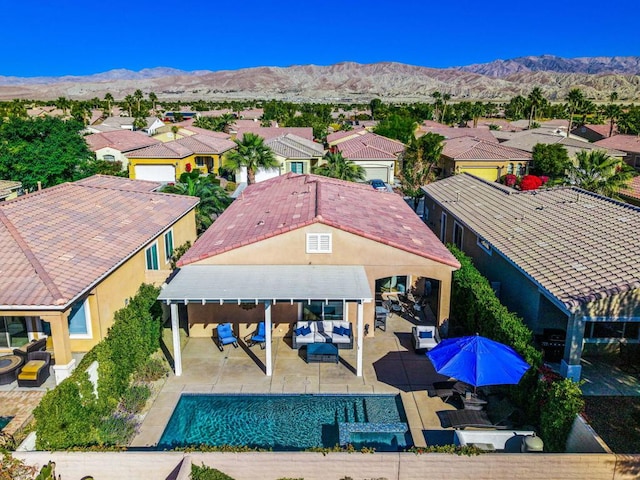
301,245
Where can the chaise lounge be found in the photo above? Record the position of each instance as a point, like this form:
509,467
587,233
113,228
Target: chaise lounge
337,332
36,370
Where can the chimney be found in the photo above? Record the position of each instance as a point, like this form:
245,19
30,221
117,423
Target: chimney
39,185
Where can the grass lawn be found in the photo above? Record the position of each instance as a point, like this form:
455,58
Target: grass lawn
616,420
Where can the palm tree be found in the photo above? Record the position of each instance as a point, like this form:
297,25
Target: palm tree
419,164
128,103
63,103
445,98
599,173
253,154
213,199
337,166
153,98
612,112
535,99
109,99
575,99
437,97
225,121
138,96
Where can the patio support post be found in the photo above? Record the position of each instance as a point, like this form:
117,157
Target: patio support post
444,300
570,365
267,336
360,325
175,331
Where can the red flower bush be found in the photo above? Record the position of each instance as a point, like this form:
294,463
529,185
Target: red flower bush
188,167
530,182
510,180
544,179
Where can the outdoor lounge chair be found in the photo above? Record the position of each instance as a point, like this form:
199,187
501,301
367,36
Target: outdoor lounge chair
424,337
224,336
446,390
32,346
468,418
259,336
36,370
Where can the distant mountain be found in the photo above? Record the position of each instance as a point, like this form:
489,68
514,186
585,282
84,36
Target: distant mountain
351,82
551,63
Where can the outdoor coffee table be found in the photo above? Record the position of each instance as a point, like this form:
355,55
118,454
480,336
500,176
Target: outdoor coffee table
9,366
322,353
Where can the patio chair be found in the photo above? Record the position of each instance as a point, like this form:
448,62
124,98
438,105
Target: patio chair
446,390
32,346
224,336
468,418
424,337
257,337
36,370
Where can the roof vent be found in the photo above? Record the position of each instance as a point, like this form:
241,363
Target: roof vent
260,223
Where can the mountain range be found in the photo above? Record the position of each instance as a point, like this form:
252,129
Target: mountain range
597,77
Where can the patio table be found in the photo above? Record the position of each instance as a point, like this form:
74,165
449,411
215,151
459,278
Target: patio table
9,366
322,353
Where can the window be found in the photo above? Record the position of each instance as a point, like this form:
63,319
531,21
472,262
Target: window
637,164
510,169
152,257
201,162
443,227
13,332
80,320
319,243
109,158
168,246
297,167
319,310
593,331
484,245
457,234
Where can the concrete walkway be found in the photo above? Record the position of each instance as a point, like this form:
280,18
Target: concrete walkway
390,366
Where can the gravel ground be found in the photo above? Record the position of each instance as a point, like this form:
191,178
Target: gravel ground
616,420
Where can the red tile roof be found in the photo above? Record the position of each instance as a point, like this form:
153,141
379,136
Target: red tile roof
195,144
453,132
272,132
291,201
599,129
470,148
204,131
119,183
634,189
370,146
58,243
627,143
332,137
122,140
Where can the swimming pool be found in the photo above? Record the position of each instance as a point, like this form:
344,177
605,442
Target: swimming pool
281,422
4,421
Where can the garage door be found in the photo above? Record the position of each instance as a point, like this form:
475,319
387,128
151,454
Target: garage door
156,173
490,174
371,173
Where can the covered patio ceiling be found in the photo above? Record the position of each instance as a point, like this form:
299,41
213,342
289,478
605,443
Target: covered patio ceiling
259,283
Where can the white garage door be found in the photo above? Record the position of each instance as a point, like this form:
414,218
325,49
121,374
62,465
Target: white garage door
156,173
371,173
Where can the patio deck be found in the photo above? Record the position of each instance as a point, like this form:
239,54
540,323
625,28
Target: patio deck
390,366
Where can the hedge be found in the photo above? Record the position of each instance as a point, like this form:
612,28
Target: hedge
547,401
70,415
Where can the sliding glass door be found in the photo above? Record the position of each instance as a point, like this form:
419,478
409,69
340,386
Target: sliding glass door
13,332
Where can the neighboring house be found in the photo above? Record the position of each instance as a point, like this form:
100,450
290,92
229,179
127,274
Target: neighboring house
343,135
113,146
456,132
488,160
301,247
165,162
74,254
632,194
528,139
127,123
593,133
270,132
378,155
559,257
185,129
629,144
9,189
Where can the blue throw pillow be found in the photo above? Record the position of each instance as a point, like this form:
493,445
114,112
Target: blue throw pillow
346,331
338,330
306,330
298,331
428,334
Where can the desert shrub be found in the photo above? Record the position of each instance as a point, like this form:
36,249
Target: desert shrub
207,473
117,429
153,369
134,398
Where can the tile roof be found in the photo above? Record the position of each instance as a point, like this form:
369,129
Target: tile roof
332,137
454,132
203,131
122,140
634,189
527,139
7,187
572,243
291,201
602,130
293,146
271,132
626,143
197,144
471,148
58,243
119,183
370,146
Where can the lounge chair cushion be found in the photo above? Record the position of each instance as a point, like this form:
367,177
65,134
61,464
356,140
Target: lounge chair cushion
425,334
338,330
30,370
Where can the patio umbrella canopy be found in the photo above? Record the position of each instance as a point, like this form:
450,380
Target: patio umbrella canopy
478,361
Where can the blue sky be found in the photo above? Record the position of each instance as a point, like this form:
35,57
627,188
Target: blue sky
71,37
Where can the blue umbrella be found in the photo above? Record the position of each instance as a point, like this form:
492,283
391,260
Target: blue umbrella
478,361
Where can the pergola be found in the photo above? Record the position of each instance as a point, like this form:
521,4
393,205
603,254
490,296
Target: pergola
267,284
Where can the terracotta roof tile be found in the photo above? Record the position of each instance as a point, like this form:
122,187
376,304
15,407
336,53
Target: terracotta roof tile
572,243
271,132
122,140
471,148
634,189
451,132
57,243
370,146
291,201
626,143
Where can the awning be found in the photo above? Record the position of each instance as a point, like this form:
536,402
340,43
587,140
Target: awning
277,283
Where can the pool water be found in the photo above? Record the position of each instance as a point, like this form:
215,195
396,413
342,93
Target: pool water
4,421
278,422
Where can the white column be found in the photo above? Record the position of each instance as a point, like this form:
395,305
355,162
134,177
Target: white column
267,336
360,339
175,331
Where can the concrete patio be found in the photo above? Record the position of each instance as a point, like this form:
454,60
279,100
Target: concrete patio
390,366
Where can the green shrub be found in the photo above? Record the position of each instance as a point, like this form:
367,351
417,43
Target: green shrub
117,429
134,398
231,186
207,473
70,415
154,369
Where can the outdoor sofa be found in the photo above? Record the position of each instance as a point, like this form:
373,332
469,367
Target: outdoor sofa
337,332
